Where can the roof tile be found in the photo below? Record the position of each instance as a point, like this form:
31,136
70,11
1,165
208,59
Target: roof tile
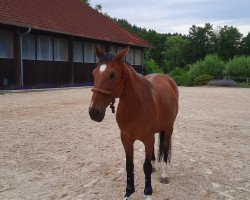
69,17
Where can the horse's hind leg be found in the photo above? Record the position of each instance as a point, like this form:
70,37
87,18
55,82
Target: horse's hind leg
165,152
153,158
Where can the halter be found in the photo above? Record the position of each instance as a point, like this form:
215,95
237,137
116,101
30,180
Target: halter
112,92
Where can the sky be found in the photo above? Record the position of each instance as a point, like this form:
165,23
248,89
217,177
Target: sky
171,16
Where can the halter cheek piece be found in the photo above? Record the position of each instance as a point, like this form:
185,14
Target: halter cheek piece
112,92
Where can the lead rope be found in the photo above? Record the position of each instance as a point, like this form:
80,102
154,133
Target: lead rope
112,105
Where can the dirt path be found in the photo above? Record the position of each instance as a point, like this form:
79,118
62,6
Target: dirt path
50,149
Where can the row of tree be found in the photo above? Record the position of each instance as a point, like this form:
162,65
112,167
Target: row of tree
177,50
206,52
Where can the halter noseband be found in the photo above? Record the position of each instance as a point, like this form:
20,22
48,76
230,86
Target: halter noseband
112,92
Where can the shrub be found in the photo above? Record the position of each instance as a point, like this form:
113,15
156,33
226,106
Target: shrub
238,67
180,76
151,66
222,83
211,65
244,85
202,79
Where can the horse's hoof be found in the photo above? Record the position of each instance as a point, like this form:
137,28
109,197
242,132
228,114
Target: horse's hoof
149,197
164,180
127,198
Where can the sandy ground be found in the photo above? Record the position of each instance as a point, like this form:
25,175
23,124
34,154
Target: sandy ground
50,149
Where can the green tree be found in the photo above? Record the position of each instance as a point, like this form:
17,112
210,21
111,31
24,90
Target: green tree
238,67
180,76
202,41
151,66
245,45
229,41
211,65
98,7
86,2
174,52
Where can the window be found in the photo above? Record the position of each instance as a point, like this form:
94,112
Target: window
89,53
138,57
44,48
112,49
130,57
28,47
61,49
6,44
119,49
78,51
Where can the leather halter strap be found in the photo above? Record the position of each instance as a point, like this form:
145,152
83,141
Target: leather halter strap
111,92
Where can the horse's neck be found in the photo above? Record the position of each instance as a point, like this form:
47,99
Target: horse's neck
132,97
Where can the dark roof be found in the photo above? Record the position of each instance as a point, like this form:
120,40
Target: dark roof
68,17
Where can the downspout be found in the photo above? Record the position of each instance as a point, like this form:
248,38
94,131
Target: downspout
21,52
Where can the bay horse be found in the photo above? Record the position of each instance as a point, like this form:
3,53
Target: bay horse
147,105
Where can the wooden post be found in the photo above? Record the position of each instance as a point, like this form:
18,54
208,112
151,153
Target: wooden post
17,56
71,62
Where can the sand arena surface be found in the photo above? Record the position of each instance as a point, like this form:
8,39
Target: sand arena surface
50,149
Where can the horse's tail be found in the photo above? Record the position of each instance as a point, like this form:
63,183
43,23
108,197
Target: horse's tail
161,148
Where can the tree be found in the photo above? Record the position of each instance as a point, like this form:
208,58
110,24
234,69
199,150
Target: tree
229,41
98,7
245,45
151,66
202,40
174,52
86,2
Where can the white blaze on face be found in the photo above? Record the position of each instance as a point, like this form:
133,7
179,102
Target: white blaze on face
103,68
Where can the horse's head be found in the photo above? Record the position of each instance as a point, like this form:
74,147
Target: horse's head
109,80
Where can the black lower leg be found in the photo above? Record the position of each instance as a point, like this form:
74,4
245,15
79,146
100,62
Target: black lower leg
153,156
148,171
130,189
167,152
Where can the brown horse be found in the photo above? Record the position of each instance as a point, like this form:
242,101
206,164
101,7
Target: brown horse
147,105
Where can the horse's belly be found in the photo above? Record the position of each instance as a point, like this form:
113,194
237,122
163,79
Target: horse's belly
139,128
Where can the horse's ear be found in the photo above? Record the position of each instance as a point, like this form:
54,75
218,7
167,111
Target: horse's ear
99,52
121,55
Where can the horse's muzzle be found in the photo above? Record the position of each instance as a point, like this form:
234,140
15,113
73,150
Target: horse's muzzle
96,114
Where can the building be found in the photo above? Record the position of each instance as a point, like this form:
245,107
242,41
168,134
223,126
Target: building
51,43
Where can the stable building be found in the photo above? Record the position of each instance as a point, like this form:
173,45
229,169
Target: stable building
51,43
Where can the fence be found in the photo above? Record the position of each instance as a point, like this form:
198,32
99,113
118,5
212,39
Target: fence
236,79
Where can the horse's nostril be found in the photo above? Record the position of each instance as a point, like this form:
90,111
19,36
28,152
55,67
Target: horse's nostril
94,112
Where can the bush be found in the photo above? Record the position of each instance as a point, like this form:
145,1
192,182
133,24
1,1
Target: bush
244,85
151,67
211,65
222,83
238,67
180,76
202,79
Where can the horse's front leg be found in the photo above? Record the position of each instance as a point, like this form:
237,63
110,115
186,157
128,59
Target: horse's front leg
148,169
128,145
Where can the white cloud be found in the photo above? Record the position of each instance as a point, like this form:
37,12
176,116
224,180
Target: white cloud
179,15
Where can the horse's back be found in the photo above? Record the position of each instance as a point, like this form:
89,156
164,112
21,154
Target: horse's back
163,81
167,95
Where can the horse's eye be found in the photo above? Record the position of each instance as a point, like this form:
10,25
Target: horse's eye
112,75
